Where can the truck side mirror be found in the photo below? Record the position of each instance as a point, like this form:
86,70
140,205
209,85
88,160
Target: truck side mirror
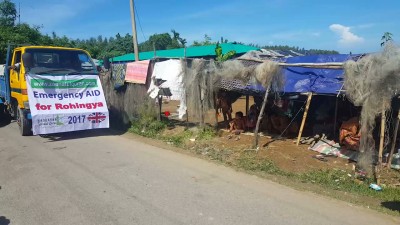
27,60
106,63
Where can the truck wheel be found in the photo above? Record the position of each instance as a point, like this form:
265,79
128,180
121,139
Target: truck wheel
25,125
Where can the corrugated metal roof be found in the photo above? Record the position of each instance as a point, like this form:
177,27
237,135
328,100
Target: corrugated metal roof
195,51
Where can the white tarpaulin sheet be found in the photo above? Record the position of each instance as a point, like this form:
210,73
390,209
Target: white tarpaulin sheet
66,103
171,72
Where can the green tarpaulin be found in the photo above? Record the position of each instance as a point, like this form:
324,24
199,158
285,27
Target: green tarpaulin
195,51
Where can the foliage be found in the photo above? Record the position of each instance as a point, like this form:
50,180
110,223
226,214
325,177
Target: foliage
206,41
163,41
8,13
206,133
248,161
223,57
387,36
146,123
19,34
179,139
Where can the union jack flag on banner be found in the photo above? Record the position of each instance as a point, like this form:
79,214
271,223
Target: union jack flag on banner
97,117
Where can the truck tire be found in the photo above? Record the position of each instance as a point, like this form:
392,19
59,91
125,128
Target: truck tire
25,125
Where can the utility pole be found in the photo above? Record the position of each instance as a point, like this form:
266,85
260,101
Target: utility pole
135,44
19,12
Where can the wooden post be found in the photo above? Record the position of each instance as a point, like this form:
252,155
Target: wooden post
303,122
216,110
382,135
186,102
247,105
160,107
134,36
201,106
335,120
396,129
154,50
260,116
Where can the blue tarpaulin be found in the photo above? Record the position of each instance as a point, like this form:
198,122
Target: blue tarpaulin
320,81
302,79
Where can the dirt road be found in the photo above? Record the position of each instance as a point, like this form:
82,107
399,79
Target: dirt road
98,177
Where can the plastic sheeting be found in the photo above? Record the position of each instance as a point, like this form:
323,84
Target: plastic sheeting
171,72
320,81
301,79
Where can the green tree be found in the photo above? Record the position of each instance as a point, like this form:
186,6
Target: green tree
20,34
387,37
177,41
223,57
206,41
162,42
8,13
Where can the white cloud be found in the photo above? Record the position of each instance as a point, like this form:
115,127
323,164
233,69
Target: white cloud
365,26
346,36
316,34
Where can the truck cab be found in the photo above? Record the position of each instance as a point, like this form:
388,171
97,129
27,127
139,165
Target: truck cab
43,60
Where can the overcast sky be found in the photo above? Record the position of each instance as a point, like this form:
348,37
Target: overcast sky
352,25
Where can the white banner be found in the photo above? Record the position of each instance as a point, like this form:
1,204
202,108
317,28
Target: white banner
66,103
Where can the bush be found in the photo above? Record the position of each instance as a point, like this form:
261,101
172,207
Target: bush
146,122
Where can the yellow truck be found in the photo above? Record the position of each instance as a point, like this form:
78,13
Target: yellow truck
48,63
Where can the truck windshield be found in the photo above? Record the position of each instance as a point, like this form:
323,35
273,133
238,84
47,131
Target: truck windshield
61,62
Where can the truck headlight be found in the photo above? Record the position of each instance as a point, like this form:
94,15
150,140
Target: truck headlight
26,105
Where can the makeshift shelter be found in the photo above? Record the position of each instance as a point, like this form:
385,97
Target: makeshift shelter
303,75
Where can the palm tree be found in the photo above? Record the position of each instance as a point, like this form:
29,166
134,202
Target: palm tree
387,36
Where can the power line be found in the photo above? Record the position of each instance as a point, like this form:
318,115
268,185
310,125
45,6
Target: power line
140,23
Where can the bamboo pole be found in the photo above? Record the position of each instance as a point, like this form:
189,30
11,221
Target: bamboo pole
260,116
396,129
186,97
304,117
331,65
382,135
201,106
247,105
216,110
159,107
335,121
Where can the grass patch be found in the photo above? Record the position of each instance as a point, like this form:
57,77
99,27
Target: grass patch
340,180
148,127
206,133
178,140
249,161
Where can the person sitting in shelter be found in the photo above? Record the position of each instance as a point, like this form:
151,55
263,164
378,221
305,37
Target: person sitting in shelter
251,120
280,119
238,124
225,105
350,134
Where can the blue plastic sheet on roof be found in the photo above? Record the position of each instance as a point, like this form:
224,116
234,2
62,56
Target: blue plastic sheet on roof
320,81
301,79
